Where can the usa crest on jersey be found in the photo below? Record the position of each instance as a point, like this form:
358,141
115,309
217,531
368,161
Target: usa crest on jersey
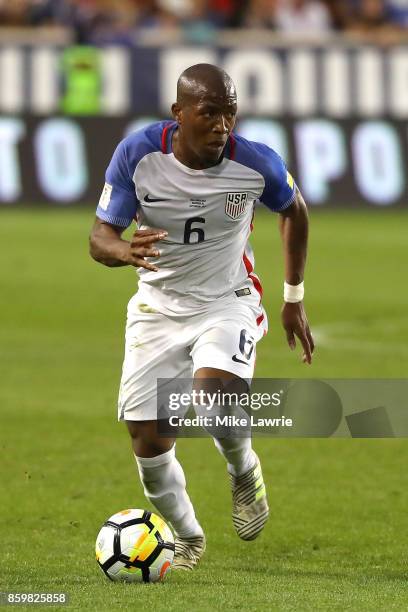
235,204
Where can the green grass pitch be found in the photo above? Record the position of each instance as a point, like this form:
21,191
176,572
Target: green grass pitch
337,535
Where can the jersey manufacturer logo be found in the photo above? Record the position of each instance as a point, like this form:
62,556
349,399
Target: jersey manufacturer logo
237,360
147,199
235,204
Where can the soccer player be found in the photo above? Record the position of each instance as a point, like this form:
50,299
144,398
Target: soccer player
192,184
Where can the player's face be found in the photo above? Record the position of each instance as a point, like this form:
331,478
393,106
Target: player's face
206,123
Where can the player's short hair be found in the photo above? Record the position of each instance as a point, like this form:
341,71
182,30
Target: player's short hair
201,77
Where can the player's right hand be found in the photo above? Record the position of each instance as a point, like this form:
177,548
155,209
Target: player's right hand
142,245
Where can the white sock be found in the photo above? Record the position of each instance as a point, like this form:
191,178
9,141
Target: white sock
238,453
165,486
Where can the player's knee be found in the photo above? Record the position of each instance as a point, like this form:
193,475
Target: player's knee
146,441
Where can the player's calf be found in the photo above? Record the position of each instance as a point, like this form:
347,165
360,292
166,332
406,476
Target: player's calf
163,478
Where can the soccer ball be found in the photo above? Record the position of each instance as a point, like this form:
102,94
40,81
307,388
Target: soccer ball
135,546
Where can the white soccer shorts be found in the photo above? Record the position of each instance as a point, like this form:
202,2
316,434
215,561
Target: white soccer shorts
159,346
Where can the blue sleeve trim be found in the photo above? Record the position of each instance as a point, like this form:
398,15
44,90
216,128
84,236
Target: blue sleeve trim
119,221
289,202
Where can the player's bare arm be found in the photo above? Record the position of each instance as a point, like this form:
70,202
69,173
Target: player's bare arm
107,246
294,231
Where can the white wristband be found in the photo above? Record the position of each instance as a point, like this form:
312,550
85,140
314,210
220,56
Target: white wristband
293,293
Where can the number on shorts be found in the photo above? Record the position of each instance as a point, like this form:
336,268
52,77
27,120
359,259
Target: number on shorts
246,344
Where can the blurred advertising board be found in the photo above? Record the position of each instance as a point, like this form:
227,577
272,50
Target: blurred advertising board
336,114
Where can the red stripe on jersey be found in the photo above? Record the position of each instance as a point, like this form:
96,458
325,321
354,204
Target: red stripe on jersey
257,284
254,279
164,139
248,265
260,319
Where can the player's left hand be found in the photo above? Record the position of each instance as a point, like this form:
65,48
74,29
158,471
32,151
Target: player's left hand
295,323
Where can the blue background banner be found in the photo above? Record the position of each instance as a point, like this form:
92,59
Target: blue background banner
350,163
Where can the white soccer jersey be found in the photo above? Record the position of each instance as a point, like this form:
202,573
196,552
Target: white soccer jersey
207,214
